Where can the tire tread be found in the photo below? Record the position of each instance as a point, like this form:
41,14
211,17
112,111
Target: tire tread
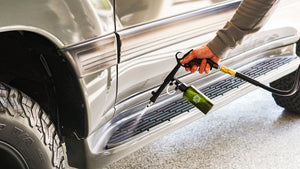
19,105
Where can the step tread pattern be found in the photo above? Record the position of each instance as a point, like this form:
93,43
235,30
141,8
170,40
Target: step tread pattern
148,120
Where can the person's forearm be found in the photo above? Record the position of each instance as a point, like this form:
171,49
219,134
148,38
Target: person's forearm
249,18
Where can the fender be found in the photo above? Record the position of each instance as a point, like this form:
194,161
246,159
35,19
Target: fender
64,22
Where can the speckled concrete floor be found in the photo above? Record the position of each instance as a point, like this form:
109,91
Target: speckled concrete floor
251,132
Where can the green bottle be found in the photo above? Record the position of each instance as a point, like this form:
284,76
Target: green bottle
197,98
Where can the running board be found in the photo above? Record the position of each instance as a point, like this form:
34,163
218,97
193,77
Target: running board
140,124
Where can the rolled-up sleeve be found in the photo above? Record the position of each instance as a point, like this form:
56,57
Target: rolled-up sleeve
249,18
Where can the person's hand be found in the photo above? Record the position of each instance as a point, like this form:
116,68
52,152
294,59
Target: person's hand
201,53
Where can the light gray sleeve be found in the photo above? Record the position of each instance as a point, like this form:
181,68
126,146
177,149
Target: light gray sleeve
249,18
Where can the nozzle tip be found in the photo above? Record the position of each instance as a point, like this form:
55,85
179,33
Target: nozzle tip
149,104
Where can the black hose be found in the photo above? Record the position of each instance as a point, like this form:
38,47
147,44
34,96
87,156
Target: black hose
290,92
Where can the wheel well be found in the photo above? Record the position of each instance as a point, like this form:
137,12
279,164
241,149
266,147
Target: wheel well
298,47
34,65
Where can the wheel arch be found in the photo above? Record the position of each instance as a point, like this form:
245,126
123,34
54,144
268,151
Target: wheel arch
35,65
35,30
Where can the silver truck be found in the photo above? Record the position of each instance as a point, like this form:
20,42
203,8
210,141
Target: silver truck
75,74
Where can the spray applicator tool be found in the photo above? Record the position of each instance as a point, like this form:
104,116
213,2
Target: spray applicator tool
190,93
202,102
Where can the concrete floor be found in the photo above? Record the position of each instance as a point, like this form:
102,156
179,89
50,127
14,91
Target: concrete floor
251,132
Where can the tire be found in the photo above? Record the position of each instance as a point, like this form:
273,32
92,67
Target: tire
27,137
290,103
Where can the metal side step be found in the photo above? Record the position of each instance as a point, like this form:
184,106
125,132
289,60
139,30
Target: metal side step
148,120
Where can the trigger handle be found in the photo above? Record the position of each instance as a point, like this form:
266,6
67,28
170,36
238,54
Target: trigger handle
198,61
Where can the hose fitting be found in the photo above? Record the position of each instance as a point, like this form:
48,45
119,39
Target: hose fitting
227,70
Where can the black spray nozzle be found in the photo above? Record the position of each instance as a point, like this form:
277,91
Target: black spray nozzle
171,75
169,78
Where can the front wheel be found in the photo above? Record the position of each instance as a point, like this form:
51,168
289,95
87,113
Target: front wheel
290,103
28,139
